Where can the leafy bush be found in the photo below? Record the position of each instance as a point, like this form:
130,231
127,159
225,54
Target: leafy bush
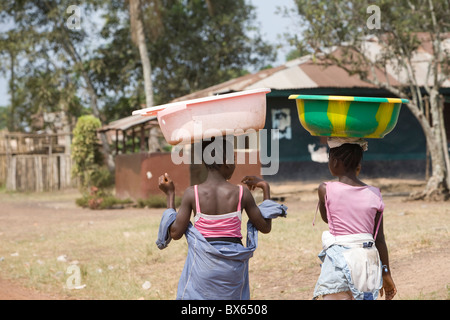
86,155
102,178
93,176
98,199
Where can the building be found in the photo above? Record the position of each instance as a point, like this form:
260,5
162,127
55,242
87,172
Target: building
141,156
402,153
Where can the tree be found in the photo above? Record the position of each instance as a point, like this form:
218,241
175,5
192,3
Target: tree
10,50
3,117
36,83
338,32
119,85
137,32
190,44
195,44
55,45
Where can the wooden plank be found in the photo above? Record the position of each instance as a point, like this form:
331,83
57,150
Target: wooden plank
3,169
38,172
62,171
11,182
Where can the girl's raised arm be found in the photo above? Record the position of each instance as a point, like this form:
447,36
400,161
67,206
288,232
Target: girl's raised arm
179,226
248,202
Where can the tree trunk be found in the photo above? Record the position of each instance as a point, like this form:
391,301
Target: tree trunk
11,126
138,37
437,187
445,145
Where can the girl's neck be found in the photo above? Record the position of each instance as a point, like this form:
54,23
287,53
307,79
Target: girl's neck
214,176
350,179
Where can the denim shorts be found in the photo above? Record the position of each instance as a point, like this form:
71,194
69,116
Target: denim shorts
335,276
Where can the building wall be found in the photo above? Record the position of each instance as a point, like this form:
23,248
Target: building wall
402,153
137,174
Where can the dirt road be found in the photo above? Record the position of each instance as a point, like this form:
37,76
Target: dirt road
422,274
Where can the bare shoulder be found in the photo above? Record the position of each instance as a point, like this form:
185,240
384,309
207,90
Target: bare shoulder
322,190
247,197
323,187
189,193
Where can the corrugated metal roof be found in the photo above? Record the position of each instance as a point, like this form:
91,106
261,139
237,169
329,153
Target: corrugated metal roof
291,76
128,122
233,85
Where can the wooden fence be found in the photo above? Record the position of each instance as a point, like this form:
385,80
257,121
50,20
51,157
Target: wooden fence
35,162
37,172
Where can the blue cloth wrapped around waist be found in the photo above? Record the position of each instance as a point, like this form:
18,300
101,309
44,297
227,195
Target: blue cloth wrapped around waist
216,270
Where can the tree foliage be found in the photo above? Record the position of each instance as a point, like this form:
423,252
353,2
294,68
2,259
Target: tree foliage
96,68
200,43
35,52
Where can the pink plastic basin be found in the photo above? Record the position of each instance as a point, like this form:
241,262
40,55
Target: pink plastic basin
193,120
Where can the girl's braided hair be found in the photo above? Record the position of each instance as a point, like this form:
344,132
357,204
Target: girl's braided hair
350,154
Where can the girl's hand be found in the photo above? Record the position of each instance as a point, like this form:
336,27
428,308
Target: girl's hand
388,287
166,184
253,182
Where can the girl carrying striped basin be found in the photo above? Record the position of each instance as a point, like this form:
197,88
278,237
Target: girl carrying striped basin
355,256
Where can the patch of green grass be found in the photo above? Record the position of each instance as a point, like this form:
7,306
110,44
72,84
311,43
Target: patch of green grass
156,201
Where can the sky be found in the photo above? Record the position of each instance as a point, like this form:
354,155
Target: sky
272,27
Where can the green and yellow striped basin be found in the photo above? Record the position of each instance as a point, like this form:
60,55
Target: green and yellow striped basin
342,116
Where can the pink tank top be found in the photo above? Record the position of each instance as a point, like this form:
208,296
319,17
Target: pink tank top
352,209
220,225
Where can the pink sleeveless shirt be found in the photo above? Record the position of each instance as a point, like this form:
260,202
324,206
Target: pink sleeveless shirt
219,225
352,209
